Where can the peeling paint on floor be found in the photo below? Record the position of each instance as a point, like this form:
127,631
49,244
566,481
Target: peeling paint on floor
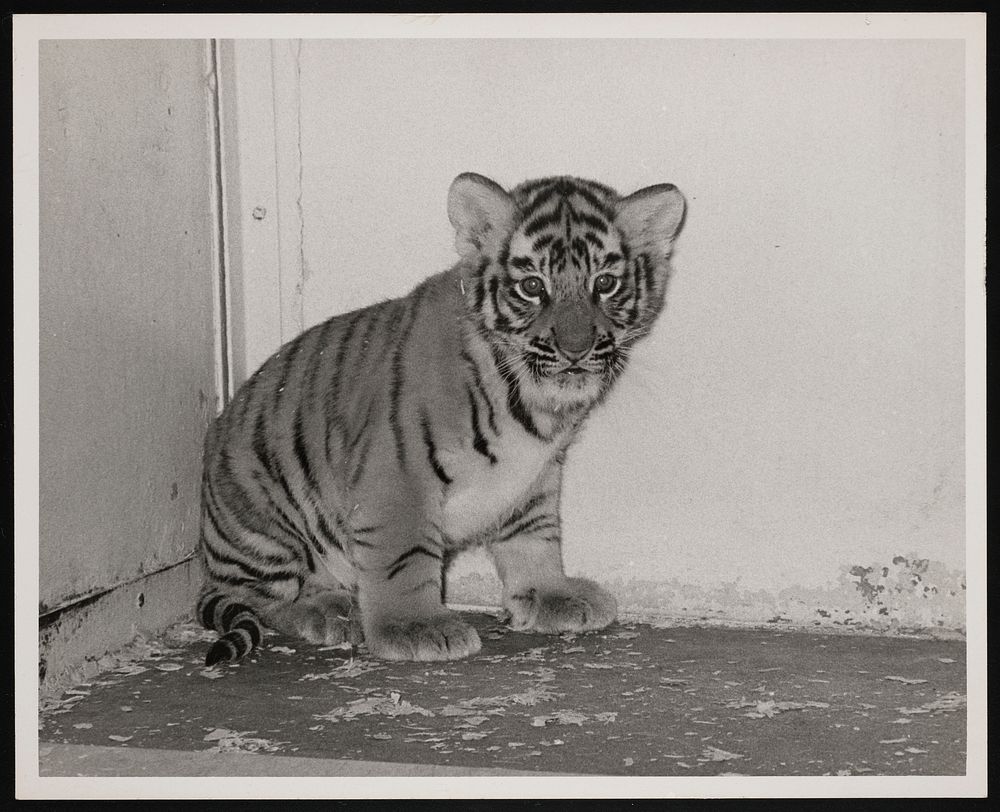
630,700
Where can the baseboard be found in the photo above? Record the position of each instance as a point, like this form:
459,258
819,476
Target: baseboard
79,641
906,595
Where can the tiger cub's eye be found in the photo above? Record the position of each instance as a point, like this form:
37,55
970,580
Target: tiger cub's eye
605,283
531,286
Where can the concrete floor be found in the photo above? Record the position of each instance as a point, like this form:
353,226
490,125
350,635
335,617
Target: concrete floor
633,699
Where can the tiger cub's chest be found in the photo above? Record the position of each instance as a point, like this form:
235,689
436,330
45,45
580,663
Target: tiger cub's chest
482,492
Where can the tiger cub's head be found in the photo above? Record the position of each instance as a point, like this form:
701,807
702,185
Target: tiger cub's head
563,276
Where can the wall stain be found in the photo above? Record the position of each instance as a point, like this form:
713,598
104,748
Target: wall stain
909,595
910,591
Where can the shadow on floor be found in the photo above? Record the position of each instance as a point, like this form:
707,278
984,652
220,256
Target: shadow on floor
633,699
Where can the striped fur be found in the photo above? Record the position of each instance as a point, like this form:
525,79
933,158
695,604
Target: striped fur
354,464
239,627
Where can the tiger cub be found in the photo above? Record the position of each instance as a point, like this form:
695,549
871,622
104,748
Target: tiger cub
348,471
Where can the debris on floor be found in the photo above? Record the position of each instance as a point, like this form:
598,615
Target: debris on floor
632,699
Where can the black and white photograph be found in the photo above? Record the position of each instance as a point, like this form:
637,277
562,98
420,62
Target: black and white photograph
498,406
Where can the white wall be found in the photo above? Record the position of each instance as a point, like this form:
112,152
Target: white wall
126,348
798,412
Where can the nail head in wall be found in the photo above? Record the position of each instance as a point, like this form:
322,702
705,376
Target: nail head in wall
259,213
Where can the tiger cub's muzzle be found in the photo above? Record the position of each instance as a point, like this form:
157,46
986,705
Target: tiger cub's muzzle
573,330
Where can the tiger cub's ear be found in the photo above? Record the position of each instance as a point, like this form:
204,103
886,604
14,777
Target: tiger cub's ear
652,217
480,210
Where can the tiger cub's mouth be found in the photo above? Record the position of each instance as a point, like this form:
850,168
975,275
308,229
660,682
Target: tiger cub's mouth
574,378
565,381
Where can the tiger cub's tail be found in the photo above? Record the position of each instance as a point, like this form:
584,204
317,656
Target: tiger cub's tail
236,622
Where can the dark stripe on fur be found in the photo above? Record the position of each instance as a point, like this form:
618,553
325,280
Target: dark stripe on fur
332,400
267,462
238,624
400,563
252,629
432,458
354,533
477,380
592,221
396,389
480,283
478,440
529,187
504,254
362,461
542,522
314,365
541,242
222,650
302,534
523,510
544,349
233,645
542,198
227,513
500,321
633,313
515,405
544,221
229,614
240,507
277,517
259,557
206,609
519,411
301,454
522,263
251,571
328,533
352,444
374,319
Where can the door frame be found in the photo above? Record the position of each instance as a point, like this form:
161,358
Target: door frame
259,126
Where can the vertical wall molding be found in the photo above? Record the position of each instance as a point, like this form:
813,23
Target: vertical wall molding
285,64
249,149
221,299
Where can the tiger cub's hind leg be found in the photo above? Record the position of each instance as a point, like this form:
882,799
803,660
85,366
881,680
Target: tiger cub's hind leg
320,614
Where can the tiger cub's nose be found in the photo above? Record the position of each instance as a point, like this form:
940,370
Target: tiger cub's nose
573,330
574,345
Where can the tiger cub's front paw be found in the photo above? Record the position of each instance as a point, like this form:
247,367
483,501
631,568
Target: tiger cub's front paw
573,605
438,637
